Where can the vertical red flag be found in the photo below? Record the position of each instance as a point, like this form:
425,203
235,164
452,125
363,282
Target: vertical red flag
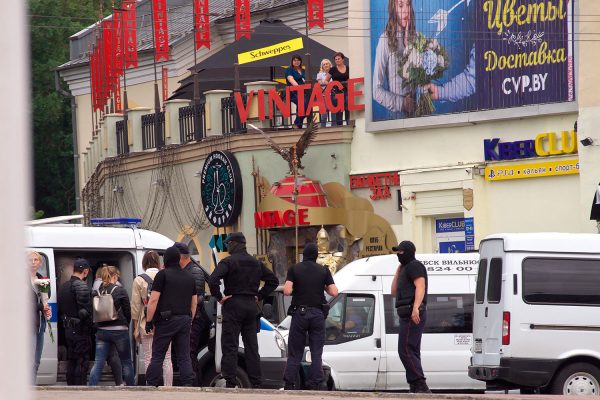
107,34
201,24
101,72
315,14
94,78
130,45
242,19
118,42
165,84
161,31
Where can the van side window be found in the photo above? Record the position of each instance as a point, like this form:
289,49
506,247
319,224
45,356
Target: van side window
561,281
446,313
494,290
43,269
481,275
350,317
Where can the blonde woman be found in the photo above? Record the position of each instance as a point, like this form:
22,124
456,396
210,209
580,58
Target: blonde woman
42,311
139,298
324,78
114,332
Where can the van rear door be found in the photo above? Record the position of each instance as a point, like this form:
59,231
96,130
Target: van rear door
489,304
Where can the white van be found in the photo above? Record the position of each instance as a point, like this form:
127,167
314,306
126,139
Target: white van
537,313
59,245
367,358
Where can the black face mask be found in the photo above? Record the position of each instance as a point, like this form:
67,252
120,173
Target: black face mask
404,258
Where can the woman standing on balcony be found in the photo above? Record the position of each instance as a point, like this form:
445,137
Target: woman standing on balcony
340,73
323,78
294,76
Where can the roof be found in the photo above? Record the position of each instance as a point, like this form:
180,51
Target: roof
76,237
180,20
549,242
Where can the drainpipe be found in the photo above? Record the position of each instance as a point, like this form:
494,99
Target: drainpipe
60,90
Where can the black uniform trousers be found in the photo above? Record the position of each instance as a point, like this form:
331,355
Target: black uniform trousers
313,323
409,347
79,345
240,315
175,330
199,336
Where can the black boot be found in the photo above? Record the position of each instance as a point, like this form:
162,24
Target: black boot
421,387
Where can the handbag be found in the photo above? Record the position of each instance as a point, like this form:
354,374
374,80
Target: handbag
104,309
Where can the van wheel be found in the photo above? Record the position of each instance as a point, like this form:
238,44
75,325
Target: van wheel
210,378
577,379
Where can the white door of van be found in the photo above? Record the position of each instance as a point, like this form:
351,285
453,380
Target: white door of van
489,304
353,341
49,361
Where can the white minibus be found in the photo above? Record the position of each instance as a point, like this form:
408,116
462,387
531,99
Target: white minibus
366,358
537,313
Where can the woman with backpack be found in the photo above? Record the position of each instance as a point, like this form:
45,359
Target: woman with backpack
140,294
113,331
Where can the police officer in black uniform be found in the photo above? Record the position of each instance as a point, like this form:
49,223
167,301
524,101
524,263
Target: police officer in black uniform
75,312
171,308
410,289
306,282
241,274
200,331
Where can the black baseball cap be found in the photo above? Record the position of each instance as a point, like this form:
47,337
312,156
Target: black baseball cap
182,247
81,264
235,237
406,246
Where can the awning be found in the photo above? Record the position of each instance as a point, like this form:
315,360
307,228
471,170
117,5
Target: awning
264,57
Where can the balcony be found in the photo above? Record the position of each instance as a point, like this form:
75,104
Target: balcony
182,124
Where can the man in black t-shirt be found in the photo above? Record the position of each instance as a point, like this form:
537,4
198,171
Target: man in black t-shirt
306,282
171,308
410,289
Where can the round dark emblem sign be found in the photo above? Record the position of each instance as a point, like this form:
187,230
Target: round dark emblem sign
221,188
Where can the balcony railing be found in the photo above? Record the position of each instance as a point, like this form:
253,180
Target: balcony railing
122,138
149,134
230,119
192,123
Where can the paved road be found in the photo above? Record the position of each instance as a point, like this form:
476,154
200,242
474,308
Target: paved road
177,393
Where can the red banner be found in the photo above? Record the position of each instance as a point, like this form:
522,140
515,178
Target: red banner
101,72
201,24
131,59
94,60
118,42
315,14
242,19
165,84
161,30
107,41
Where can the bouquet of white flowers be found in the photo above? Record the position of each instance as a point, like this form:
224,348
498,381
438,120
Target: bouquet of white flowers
423,61
43,286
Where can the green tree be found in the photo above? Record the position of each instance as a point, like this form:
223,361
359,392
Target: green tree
51,24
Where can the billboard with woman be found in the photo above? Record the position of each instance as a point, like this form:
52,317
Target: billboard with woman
431,57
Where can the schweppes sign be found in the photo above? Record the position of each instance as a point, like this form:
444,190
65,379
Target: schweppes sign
270,51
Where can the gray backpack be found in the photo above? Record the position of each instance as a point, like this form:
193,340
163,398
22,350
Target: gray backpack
104,306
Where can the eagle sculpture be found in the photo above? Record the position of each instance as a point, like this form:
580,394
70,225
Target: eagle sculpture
288,154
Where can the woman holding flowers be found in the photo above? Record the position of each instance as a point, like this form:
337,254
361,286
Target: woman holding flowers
388,84
42,312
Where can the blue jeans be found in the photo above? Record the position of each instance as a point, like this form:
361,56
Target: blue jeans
104,339
39,347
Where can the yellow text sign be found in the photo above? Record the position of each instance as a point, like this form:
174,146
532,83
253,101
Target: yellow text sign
270,51
533,170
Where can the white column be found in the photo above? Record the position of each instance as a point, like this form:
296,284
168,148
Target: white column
134,116
214,126
173,135
253,116
109,143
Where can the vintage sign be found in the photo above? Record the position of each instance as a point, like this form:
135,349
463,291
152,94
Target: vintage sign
316,98
544,144
533,170
379,183
280,219
221,188
270,51
468,199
